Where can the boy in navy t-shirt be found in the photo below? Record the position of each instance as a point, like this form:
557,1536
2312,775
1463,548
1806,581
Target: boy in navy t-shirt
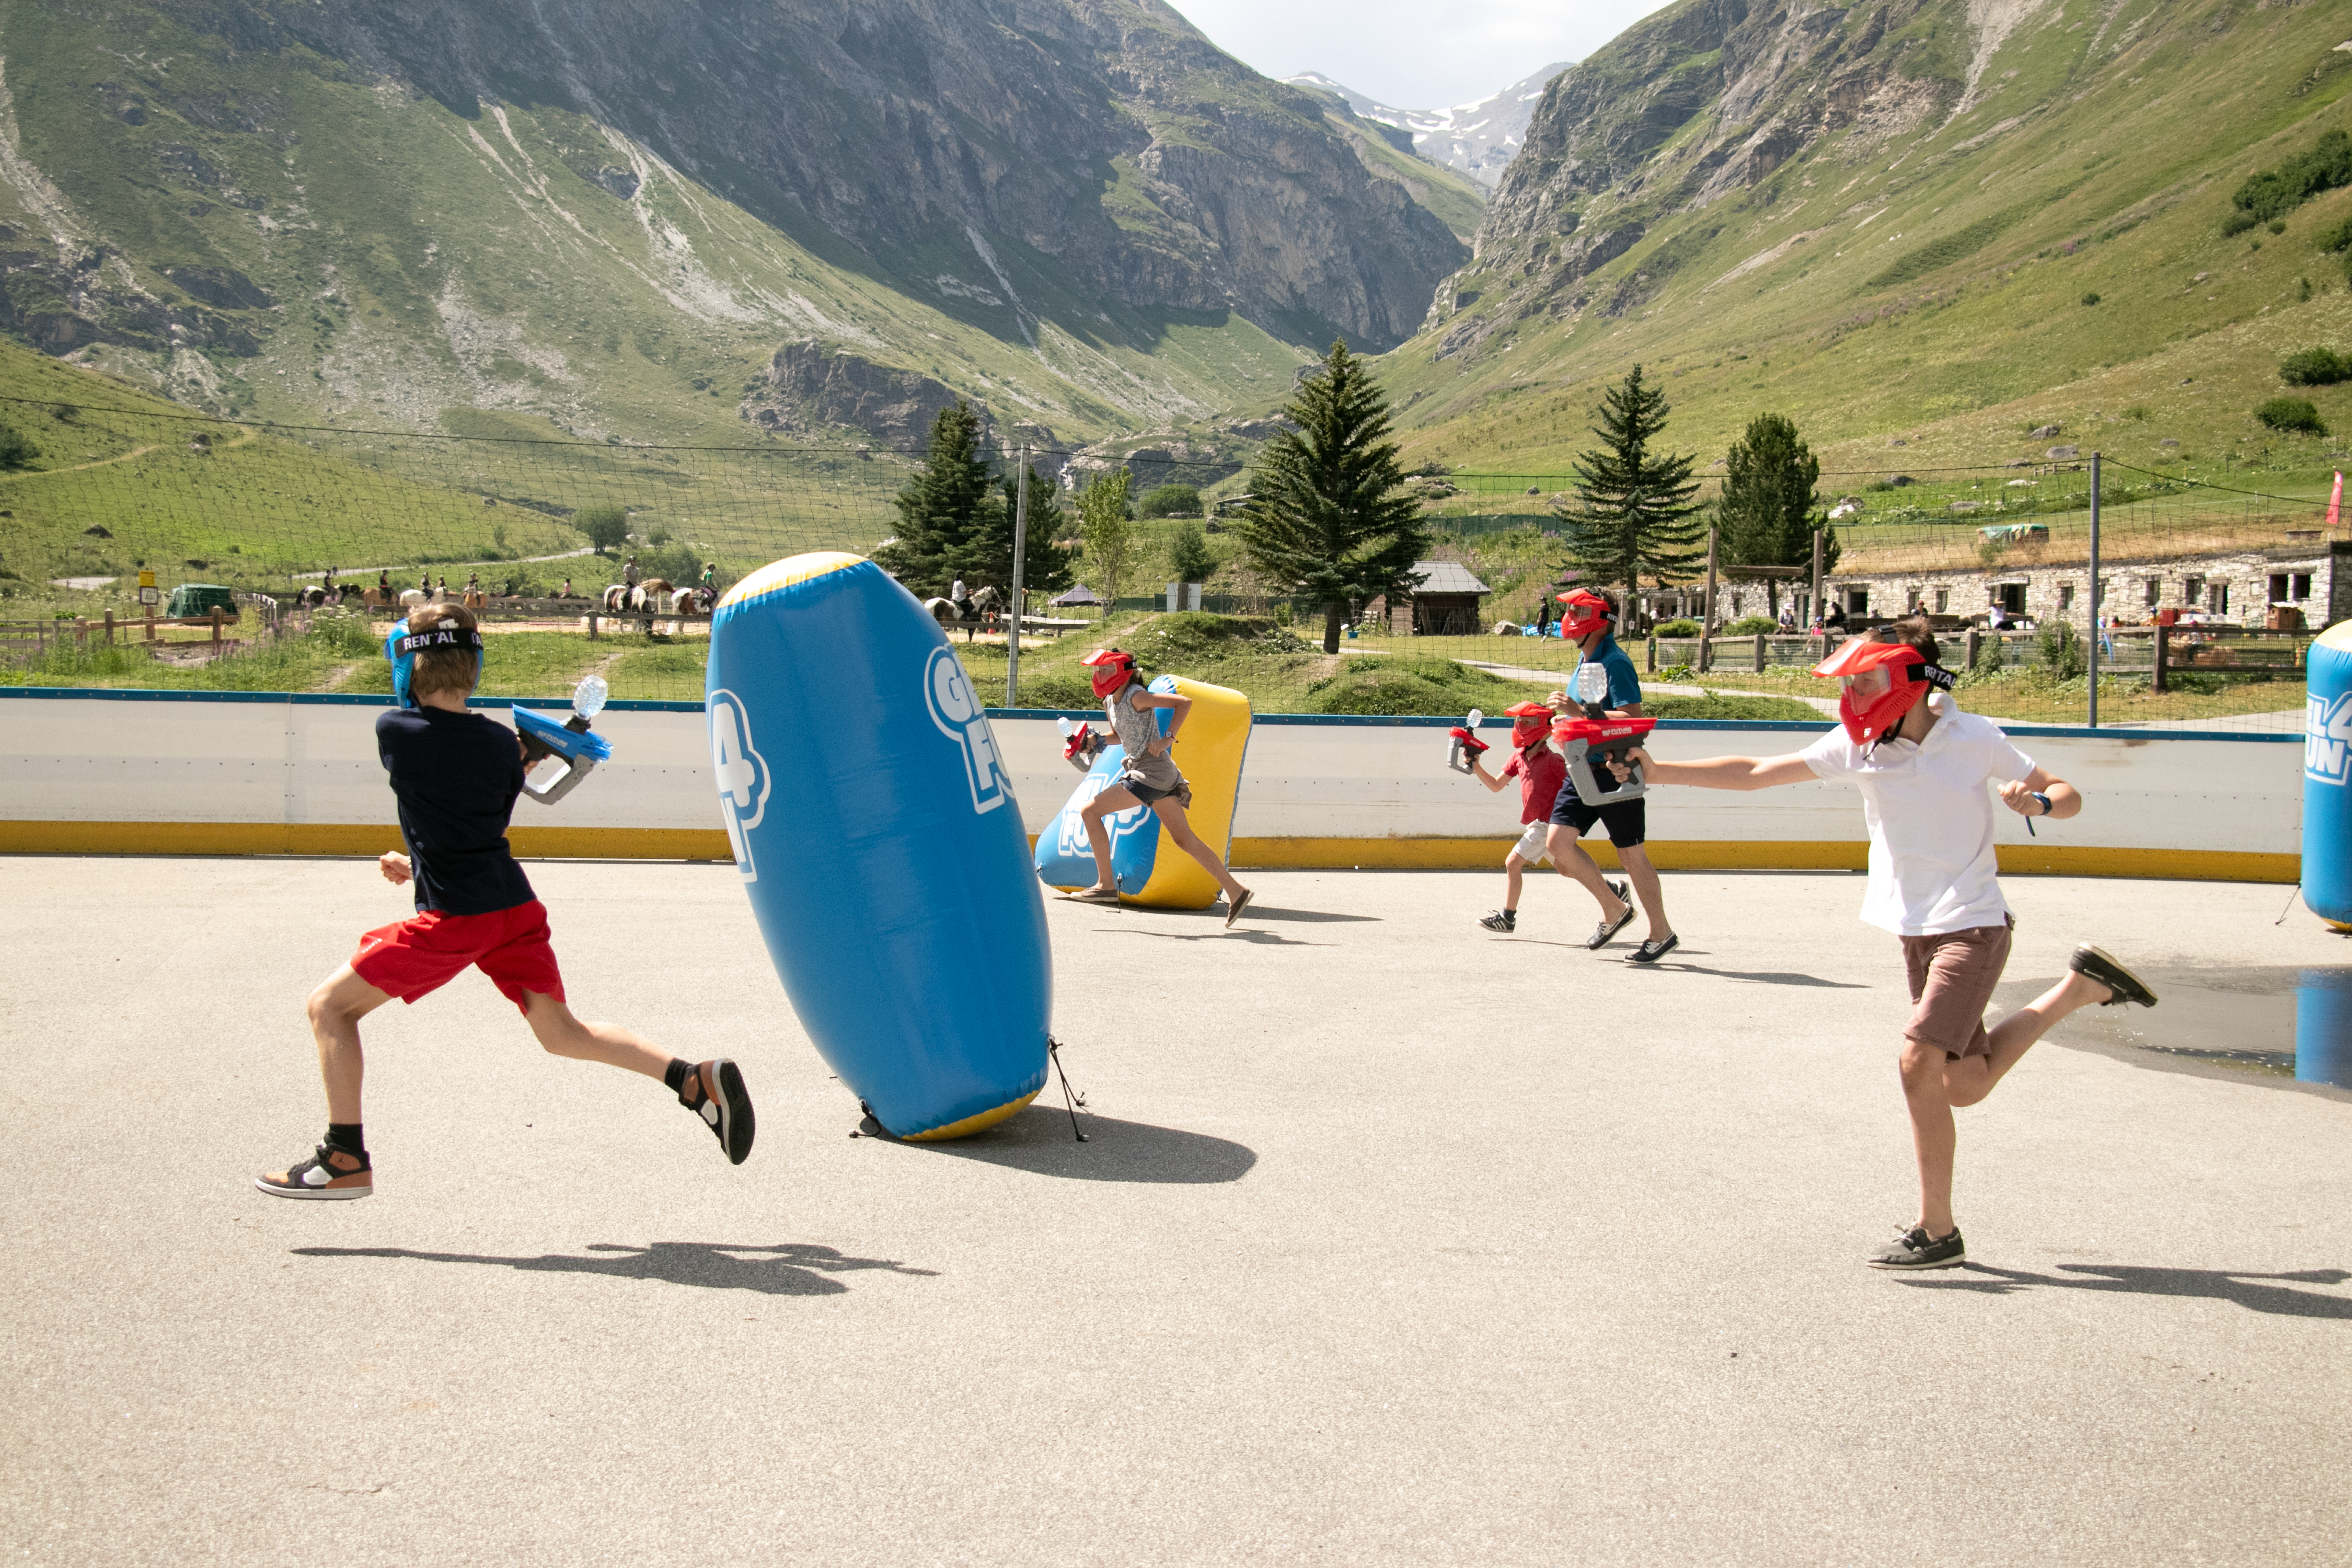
456,775
1588,621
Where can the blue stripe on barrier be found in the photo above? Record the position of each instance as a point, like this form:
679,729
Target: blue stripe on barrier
335,698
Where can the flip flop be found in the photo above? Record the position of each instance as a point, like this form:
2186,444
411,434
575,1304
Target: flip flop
1651,952
1233,907
1104,896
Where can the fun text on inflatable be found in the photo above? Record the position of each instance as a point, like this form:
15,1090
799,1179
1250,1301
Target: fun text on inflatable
742,774
958,714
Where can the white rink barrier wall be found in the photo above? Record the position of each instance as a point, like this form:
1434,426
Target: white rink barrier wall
87,771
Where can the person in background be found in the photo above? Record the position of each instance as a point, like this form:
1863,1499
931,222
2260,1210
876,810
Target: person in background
1587,621
1541,771
1149,777
567,589
630,575
1787,617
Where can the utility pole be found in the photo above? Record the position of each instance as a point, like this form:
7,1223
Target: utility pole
1019,545
1706,611
2094,591
1815,610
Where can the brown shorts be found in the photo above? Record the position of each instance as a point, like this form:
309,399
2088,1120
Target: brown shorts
1952,981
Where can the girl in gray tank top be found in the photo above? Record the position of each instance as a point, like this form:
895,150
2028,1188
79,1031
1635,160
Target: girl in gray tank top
1148,777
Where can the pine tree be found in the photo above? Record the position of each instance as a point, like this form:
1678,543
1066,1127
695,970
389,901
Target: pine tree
1634,513
987,557
1326,523
1770,508
941,509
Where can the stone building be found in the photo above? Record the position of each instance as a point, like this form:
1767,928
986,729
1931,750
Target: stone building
2306,571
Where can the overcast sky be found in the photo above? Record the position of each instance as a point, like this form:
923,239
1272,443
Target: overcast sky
1411,54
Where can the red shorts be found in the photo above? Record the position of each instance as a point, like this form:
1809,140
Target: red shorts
417,956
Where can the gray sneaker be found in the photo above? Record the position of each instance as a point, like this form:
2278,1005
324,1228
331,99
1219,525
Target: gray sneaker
1914,1249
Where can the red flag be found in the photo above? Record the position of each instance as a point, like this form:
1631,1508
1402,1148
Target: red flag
2335,499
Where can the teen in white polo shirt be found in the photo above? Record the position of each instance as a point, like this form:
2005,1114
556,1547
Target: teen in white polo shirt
1924,768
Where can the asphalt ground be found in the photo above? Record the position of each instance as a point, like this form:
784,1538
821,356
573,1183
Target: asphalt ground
1394,1242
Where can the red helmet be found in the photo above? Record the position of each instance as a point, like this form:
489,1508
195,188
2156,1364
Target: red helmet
1882,682
1113,667
1587,613
1530,723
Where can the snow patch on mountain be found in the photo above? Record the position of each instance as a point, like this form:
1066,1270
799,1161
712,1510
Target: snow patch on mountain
1478,139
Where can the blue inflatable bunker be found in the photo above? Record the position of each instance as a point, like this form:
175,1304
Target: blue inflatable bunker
2327,778
875,831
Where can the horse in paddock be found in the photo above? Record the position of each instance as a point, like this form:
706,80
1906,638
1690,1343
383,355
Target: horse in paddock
978,612
616,598
647,594
415,598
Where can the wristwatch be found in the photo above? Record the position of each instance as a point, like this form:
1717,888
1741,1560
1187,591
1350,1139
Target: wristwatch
2046,807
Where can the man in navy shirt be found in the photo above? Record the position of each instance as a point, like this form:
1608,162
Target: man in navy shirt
454,776
1587,621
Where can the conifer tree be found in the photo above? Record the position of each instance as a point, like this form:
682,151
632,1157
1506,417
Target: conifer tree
939,510
988,556
1770,508
1327,523
1634,513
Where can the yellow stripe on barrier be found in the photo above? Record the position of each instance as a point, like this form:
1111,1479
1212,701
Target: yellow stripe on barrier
1256,854
345,839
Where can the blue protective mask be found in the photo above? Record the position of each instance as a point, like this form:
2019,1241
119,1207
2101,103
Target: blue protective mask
402,647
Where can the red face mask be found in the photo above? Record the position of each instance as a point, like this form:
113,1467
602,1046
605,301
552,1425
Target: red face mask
1530,723
1882,682
1113,667
1586,614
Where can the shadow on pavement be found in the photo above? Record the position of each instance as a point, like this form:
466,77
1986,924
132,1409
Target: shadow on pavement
792,1269
1765,976
1038,1139
1238,933
2247,1289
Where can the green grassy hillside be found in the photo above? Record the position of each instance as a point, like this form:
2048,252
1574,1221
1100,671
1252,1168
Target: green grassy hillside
2011,231
274,233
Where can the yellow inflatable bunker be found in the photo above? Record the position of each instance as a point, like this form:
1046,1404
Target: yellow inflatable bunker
1146,863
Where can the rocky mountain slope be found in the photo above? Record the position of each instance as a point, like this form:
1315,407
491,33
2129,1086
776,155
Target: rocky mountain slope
1929,220
669,222
1476,139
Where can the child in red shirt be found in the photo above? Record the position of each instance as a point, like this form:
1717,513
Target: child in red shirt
1540,770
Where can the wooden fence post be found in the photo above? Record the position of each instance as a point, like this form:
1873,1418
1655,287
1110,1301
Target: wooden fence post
1650,662
110,628
1760,653
216,629
2163,654
592,626
1975,641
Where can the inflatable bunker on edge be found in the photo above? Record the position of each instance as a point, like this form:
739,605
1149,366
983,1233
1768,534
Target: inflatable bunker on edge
1145,862
876,832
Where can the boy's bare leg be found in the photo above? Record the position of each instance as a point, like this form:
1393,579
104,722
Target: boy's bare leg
1172,816
563,1035
1970,1079
1933,1137
335,1009
1569,857
1098,837
1644,878
1514,869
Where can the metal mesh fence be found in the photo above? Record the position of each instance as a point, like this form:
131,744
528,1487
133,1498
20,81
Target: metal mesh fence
2237,566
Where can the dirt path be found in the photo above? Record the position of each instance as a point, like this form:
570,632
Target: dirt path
242,438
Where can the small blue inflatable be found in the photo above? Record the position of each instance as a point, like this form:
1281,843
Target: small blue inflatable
875,831
2327,778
